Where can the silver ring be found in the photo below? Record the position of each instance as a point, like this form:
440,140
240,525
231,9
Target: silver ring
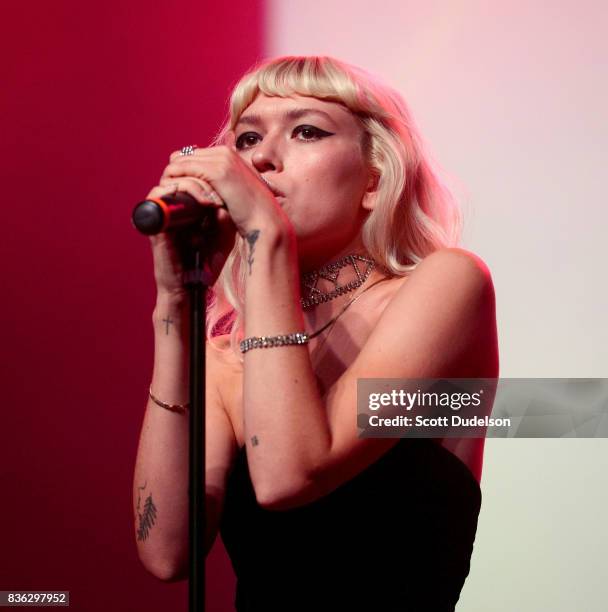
189,150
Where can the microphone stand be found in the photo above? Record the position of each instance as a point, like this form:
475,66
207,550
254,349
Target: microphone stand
195,247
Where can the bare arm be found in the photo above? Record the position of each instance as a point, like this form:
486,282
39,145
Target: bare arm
160,484
301,446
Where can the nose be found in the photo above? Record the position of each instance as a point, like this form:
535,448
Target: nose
267,156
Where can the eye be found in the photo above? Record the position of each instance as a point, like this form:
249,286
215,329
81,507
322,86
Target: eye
309,134
245,140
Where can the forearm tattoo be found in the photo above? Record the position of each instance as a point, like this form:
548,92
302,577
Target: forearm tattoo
147,516
252,237
168,321
255,441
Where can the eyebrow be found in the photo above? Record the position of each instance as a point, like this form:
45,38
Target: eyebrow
295,113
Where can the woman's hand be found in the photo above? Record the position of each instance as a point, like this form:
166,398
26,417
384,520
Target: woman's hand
168,270
215,176
249,201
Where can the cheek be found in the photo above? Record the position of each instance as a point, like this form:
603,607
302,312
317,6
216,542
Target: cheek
339,171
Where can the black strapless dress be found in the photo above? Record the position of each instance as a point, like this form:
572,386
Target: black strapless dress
396,537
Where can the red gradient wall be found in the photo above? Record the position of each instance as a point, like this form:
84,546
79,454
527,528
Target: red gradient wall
95,97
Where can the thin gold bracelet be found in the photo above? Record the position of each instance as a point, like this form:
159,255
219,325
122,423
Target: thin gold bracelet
179,408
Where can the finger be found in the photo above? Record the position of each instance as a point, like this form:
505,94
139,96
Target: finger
169,180
197,154
168,188
200,190
197,151
177,169
185,152
209,169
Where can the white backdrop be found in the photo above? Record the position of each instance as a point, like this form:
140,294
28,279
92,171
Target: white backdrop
512,98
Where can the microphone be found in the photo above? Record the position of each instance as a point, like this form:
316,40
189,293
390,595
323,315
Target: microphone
171,212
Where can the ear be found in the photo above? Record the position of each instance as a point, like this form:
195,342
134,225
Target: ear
371,193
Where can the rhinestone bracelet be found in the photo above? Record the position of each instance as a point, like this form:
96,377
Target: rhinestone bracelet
269,341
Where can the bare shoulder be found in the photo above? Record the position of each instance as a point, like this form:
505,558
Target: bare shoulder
452,277
216,344
219,352
443,314
454,260
466,265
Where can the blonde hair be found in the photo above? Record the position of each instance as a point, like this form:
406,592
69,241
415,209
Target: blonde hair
414,214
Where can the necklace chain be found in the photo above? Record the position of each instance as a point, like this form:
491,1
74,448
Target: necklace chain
351,301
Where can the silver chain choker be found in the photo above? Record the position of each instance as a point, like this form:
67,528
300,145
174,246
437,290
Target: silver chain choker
331,272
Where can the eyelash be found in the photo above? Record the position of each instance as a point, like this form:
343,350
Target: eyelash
318,134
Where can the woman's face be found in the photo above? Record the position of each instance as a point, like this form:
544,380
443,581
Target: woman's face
310,151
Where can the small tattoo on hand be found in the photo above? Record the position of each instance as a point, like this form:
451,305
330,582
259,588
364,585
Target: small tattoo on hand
254,441
251,240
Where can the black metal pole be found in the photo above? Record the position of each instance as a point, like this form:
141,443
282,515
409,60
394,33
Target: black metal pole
196,586
196,244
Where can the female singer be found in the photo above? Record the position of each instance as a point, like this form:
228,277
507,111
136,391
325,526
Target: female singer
338,245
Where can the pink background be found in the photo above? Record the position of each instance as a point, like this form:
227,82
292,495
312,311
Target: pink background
99,94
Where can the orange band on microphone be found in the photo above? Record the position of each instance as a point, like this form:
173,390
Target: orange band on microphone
165,209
